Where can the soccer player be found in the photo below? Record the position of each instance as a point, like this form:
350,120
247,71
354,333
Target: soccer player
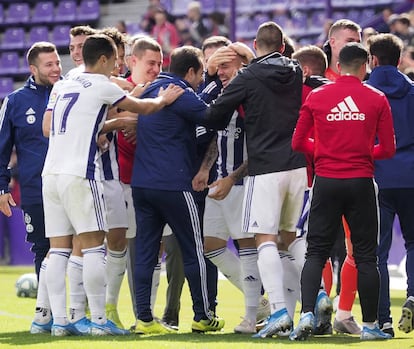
21,127
223,211
72,191
346,117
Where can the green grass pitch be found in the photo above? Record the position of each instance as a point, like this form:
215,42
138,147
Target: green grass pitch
16,315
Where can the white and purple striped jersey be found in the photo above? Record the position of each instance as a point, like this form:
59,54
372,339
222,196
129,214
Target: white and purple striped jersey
231,144
79,109
109,159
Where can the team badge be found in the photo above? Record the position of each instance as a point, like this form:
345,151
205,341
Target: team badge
30,116
27,218
31,119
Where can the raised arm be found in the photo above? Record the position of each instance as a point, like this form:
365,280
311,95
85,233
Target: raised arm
151,105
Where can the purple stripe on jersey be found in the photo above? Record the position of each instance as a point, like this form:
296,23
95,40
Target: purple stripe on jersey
223,152
119,100
239,146
90,170
107,160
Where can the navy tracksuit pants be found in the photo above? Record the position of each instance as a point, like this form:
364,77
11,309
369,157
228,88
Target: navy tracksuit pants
153,209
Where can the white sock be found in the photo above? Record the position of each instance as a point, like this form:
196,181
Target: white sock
94,281
56,283
298,250
271,273
342,315
155,283
252,283
115,270
291,281
42,314
228,263
77,295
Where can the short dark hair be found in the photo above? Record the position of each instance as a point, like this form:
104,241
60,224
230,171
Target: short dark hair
289,46
215,41
270,37
185,57
38,48
314,57
353,55
386,47
82,30
95,46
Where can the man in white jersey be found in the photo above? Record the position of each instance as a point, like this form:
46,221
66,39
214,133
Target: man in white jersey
77,295
73,194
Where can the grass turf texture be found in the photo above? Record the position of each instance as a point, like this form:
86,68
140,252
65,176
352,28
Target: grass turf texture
16,315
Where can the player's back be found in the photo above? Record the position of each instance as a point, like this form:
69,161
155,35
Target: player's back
79,108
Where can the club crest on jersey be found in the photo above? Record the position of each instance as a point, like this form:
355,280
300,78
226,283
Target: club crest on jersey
345,111
30,116
52,98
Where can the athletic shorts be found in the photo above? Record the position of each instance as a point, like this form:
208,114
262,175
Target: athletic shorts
73,205
116,207
132,226
222,218
273,201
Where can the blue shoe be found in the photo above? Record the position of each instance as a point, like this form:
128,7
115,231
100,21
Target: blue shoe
64,330
304,328
368,334
108,328
83,326
323,313
278,322
37,328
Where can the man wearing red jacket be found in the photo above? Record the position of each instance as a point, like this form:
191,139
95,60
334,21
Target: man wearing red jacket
347,118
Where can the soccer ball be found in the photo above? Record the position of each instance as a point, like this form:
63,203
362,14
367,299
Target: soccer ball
26,286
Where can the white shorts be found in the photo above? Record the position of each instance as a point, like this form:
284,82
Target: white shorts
73,205
273,201
222,218
116,207
132,225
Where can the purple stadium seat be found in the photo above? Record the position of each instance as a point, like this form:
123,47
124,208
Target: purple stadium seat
209,6
89,10
1,13
318,19
66,11
37,33
133,28
6,86
60,36
43,12
281,19
9,63
24,68
13,38
18,13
